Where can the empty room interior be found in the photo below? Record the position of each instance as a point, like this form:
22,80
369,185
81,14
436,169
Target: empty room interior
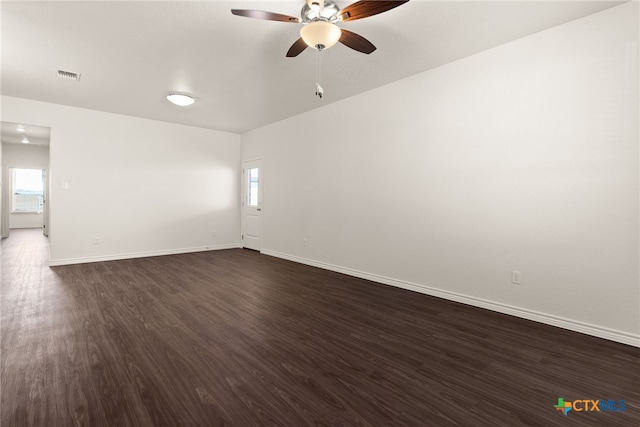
320,213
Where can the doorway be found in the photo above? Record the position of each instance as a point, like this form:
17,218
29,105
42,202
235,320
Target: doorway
252,192
24,150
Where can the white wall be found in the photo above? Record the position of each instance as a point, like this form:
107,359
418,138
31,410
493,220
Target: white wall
524,157
143,187
26,157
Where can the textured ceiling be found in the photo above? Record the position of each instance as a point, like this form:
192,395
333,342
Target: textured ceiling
131,54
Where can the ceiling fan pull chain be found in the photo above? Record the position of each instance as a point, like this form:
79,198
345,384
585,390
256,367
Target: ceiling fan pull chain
318,66
319,90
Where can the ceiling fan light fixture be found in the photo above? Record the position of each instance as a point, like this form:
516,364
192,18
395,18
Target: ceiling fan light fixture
180,99
320,34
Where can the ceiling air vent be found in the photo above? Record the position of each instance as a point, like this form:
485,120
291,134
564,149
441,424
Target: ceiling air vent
68,75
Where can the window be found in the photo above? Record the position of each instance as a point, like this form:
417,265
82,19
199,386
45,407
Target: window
28,190
253,187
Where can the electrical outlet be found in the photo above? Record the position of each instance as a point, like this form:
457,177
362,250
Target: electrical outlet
96,240
304,242
214,233
516,277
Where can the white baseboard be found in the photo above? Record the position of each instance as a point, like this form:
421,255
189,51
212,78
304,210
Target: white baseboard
68,261
561,322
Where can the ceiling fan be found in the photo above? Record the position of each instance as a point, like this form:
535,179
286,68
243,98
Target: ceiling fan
319,18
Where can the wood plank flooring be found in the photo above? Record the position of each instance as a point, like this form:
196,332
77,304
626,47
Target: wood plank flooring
236,338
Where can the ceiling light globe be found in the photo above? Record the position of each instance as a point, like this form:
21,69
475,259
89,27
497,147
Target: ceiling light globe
180,99
320,34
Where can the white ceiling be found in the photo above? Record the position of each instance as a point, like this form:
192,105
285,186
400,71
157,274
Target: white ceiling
131,54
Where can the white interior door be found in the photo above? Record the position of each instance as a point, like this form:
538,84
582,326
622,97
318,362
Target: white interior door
252,204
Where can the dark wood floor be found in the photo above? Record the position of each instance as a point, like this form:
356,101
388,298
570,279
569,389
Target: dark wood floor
235,338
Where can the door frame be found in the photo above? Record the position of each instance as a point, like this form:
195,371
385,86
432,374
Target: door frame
243,195
6,209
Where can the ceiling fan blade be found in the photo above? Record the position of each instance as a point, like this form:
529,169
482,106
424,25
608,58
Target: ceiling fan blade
261,14
356,42
366,8
296,48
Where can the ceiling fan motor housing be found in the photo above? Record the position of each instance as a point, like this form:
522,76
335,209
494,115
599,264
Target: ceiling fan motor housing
312,12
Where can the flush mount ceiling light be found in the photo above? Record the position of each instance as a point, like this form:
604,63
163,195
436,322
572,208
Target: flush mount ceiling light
25,140
21,129
320,34
180,99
